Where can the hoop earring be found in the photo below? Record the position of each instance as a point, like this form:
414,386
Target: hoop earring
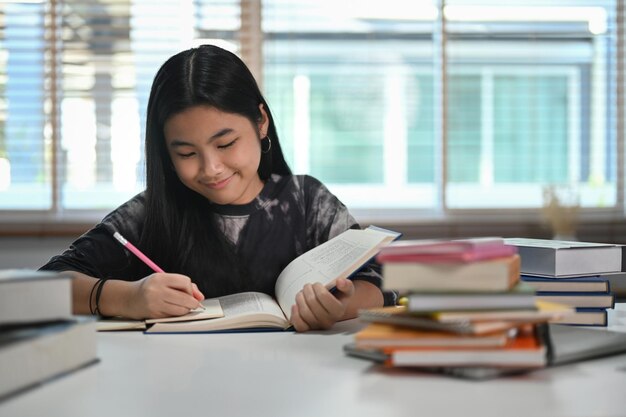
269,144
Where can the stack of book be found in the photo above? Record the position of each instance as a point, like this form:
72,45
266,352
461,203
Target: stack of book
40,339
572,273
464,308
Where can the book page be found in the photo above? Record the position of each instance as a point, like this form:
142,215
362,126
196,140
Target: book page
337,258
246,303
212,309
242,310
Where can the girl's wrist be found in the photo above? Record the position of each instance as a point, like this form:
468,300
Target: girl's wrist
114,298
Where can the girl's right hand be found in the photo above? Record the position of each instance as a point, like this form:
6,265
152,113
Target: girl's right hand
163,295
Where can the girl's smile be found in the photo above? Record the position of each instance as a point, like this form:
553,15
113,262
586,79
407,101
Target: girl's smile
219,184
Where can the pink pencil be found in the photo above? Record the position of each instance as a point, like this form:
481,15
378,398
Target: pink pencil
137,252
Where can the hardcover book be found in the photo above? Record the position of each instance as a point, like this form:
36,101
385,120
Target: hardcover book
578,284
580,300
525,350
543,311
555,258
33,354
520,297
617,282
28,296
493,275
388,335
584,317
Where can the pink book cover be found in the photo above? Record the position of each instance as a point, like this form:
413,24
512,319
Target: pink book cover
461,250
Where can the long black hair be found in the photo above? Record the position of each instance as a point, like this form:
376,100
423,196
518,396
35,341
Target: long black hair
178,230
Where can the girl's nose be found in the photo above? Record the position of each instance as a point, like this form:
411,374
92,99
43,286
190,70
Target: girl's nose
212,166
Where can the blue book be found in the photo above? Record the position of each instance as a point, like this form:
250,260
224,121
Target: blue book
617,281
579,299
585,317
578,284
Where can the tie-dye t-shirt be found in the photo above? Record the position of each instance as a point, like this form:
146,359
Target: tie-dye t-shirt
290,216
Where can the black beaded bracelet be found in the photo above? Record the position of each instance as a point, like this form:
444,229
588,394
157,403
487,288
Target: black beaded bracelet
100,285
91,293
94,302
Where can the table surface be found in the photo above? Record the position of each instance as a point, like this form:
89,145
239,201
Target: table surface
290,374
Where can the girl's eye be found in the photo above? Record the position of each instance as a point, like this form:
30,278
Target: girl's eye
227,145
186,155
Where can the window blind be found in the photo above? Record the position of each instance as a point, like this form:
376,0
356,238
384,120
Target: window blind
530,96
25,170
532,99
533,94
352,88
101,56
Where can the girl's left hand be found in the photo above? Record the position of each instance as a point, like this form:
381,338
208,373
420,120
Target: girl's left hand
316,308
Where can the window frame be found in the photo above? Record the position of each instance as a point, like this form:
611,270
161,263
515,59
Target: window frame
57,220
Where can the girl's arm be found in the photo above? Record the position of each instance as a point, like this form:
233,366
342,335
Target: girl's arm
316,307
157,295
97,254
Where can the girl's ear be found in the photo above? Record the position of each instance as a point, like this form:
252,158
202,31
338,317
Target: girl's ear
264,122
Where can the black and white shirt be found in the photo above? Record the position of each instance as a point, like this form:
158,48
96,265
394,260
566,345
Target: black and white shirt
290,216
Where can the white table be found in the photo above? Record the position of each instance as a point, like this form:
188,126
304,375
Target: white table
289,374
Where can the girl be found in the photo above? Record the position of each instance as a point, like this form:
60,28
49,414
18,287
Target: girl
221,208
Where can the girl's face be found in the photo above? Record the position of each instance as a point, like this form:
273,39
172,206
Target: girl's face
217,154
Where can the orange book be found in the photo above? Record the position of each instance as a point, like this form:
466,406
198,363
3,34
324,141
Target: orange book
391,336
524,350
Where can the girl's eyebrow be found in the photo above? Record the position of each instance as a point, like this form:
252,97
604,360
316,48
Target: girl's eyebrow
220,133
176,143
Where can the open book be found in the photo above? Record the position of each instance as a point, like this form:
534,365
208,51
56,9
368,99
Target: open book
339,257
212,309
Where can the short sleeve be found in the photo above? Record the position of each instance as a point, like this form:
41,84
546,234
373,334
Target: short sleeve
96,253
328,217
